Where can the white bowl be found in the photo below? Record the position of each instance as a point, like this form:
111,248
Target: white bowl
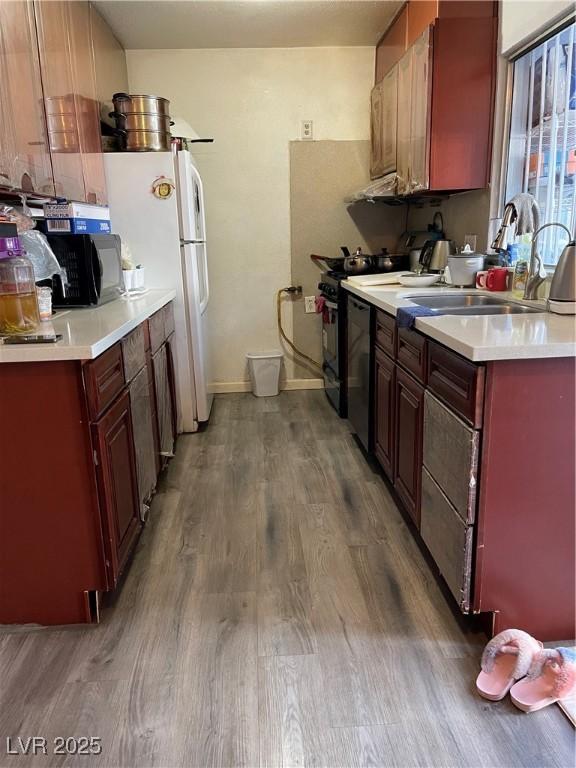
412,280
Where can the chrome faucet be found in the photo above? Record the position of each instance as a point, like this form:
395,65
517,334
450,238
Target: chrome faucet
536,272
500,243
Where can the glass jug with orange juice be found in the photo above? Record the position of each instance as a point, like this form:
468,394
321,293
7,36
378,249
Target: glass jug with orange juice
18,302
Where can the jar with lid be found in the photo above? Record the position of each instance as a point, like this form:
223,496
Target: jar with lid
18,303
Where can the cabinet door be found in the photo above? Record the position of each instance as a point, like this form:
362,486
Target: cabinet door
118,484
376,169
384,378
389,120
24,156
409,407
420,110
449,540
164,411
403,124
144,445
85,101
54,41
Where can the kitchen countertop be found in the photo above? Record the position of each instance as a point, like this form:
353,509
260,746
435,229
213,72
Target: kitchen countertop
482,337
86,333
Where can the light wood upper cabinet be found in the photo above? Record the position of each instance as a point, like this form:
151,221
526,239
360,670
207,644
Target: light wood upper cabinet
384,105
53,23
24,156
414,95
86,101
403,126
389,120
49,107
420,100
376,168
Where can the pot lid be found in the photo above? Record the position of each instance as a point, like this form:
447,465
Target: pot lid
466,253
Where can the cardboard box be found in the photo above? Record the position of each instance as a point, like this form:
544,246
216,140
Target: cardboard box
78,227
76,211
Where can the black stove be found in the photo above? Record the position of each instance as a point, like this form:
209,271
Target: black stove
334,339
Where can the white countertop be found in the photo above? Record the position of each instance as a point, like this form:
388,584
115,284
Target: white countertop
86,333
483,337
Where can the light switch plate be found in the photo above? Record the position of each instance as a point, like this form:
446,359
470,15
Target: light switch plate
309,304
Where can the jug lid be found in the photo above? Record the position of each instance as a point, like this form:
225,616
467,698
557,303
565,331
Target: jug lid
10,246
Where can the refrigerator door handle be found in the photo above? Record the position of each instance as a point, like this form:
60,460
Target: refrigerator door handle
191,242
204,303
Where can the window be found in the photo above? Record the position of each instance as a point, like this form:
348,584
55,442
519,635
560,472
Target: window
542,148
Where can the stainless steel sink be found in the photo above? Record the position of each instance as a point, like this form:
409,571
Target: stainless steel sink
490,309
472,304
456,300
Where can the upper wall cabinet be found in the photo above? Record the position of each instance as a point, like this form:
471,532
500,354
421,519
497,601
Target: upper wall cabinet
392,46
384,104
445,98
53,22
72,110
86,100
50,113
24,156
414,117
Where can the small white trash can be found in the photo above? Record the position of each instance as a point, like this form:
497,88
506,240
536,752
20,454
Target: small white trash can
265,372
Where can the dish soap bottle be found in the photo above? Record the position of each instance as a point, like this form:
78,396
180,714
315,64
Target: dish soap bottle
519,279
18,301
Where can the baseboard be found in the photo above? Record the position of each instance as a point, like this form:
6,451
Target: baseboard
227,387
303,384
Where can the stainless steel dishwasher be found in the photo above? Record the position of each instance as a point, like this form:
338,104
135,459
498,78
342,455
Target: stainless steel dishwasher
358,380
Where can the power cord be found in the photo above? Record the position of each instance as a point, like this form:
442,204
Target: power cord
292,289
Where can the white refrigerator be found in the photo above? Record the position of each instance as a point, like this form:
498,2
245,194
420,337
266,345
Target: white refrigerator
157,207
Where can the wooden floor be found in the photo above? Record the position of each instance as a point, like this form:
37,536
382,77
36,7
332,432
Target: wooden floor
277,613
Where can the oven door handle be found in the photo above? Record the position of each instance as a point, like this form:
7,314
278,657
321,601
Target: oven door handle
330,304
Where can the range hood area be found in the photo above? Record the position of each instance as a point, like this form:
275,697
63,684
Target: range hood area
382,189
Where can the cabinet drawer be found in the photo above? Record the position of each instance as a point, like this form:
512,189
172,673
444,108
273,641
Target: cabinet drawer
104,380
156,330
450,454
448,539
411,352
134,352
386,333
456,381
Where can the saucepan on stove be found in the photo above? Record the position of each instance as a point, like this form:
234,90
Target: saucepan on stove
390,262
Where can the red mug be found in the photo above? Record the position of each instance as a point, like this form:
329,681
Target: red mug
496,279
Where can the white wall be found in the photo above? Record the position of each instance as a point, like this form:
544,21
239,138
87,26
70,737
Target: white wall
251,101
525,19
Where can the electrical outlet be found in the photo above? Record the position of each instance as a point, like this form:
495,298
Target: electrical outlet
309,304
306,132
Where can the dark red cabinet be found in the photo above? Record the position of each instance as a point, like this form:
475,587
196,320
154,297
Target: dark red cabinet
384,386
444,427
409,408
89,468
118,484
446,55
